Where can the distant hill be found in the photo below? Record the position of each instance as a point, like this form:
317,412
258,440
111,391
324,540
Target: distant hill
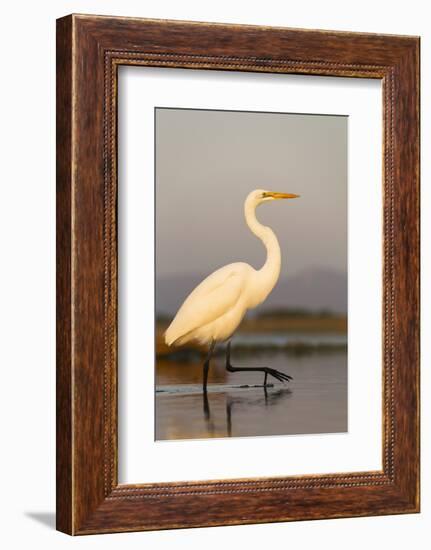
313,289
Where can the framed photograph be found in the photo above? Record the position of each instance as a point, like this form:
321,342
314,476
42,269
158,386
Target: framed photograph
237,274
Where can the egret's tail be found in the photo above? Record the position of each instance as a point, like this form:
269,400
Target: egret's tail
171,335
174,337
169,340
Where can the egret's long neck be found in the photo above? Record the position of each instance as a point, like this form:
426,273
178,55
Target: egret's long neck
269,273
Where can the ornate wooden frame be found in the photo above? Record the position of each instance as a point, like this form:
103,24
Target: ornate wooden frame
89,51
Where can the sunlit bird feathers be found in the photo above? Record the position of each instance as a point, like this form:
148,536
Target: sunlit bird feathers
215,308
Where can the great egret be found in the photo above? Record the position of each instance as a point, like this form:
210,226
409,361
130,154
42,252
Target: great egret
214,309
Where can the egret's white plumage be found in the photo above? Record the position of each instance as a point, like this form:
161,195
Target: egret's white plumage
215,308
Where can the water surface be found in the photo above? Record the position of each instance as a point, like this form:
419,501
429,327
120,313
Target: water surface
315,402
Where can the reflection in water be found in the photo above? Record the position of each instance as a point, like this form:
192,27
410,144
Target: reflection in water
269,398
315,402
207,415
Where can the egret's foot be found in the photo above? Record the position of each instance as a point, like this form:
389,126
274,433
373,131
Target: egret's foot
278,375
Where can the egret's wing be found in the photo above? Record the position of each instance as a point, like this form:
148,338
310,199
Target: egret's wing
213,297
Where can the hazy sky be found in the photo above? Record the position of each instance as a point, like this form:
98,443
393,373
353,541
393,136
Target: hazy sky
208,161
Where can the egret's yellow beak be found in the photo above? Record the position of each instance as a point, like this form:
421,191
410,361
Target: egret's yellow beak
275,195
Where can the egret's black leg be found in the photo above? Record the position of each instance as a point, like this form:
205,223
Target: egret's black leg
206,403
278,375
207,365
229,416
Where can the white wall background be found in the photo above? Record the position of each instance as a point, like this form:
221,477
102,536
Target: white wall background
27,246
